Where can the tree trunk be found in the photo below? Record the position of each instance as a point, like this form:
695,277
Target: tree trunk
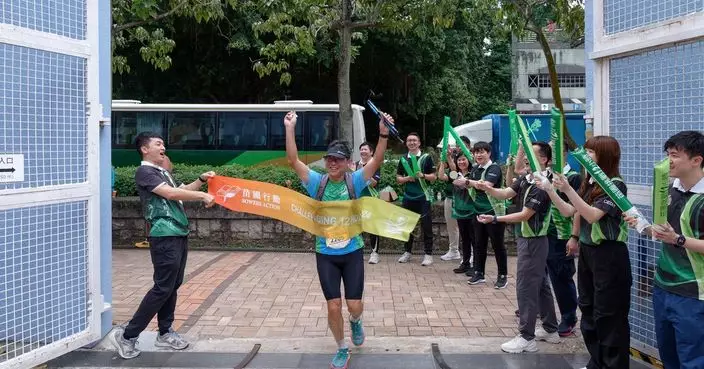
555,85
343,74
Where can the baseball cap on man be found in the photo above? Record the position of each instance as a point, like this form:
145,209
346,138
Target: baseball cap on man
338,149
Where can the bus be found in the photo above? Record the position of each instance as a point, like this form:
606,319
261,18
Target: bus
223,134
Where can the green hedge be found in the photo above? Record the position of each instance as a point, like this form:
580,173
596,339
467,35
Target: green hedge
125,186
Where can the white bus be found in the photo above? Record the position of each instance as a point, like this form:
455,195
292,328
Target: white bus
221,134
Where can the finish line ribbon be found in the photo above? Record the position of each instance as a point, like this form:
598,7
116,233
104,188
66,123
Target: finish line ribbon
330,219
610,189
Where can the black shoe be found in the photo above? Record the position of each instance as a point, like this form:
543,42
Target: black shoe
463,268
566,329
501,282
477,278
469,272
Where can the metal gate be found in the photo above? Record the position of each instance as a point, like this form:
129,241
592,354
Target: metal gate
50,299
648,85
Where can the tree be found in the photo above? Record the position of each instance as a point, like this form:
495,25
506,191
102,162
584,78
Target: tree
533,16
462,71
142,22
292,29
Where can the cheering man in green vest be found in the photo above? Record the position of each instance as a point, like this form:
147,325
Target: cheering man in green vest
416,196
678,294
162,203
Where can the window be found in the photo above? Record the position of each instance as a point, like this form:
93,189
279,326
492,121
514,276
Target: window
320,130
191,130
127,125
246,130
278,133
533,80
565,80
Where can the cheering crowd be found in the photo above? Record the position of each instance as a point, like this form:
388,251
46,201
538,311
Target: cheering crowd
556,216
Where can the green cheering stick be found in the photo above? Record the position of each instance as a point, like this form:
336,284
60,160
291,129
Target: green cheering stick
661,181
458,141
445,136
557,135
527,147
513,127
610,189
421,181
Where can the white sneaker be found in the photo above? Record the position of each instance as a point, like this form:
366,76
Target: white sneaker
519,345
542,335
427,260
405,257
373,258
451,255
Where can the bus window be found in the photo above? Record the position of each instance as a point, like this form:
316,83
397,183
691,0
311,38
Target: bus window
320,130
191,130
127,125
247,130
278,134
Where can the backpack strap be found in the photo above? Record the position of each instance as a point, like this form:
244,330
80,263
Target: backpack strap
324,182
350,186
321,187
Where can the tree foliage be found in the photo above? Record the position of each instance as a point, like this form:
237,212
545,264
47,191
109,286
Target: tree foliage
142,23
423,71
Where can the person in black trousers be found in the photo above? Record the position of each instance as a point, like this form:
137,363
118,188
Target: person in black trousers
168,238
489,172
414,199
462,206
365,152
604,268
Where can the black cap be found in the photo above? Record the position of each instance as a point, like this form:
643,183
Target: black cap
338,149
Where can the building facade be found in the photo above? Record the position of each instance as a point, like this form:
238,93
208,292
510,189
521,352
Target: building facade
530,80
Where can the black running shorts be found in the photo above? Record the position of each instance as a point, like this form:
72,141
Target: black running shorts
348,268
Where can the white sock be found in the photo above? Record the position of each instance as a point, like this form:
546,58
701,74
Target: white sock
342,344
354,319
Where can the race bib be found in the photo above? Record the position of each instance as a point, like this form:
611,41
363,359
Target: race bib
335,243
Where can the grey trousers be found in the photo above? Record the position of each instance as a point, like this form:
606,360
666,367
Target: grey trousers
532,287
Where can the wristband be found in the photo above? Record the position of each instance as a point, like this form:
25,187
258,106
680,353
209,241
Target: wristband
383,136
575,237
202,180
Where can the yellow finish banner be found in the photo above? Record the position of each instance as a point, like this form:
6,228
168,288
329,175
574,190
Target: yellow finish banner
329,219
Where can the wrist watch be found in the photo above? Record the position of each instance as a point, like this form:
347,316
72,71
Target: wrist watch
202,180
495,220
681,239
383,136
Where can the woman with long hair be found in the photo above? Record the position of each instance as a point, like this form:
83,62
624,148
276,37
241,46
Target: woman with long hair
604,269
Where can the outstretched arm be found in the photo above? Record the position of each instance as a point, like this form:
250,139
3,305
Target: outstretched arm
378,158
291,150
